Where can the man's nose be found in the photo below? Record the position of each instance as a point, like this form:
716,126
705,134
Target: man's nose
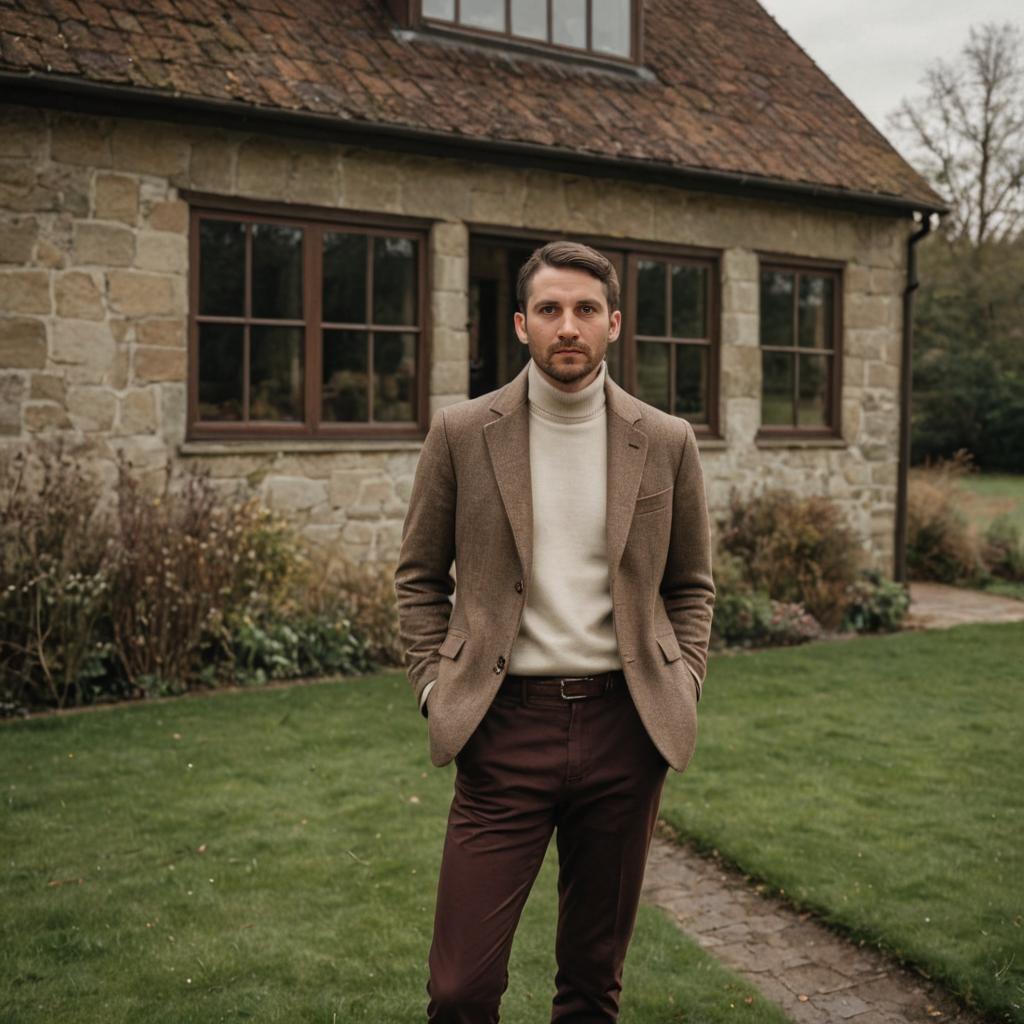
568,327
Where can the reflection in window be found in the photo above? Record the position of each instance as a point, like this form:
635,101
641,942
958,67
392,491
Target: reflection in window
798,342
603,27
273,349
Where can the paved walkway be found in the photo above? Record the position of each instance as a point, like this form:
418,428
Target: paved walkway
811,972
936,606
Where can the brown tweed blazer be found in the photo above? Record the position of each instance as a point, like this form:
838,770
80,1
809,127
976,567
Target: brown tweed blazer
471,504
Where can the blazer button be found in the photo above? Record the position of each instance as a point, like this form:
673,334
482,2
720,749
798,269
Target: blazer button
519,586
499,665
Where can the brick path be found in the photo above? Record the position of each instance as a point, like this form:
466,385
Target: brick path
813,974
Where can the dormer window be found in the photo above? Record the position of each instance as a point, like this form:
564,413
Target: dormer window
604,28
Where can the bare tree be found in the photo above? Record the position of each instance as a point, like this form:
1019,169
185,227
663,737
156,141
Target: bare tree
967,133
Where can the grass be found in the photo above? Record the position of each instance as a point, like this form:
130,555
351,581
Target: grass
990,495
263,856
880,782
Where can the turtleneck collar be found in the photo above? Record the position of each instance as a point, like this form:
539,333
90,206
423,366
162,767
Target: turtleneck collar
572,406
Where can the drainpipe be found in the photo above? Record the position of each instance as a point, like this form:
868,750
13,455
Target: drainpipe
906,388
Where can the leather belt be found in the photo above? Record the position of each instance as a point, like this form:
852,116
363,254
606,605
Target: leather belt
563,687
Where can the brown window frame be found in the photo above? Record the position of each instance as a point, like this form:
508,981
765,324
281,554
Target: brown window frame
314,221
769,262
627,253
417,17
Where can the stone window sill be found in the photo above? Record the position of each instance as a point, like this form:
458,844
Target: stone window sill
275,447
800,442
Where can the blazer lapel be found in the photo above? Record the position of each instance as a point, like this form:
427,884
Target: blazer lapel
627,454
508,444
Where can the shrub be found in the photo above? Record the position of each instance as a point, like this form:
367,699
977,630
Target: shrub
1003,550
940,545
875,604
797,550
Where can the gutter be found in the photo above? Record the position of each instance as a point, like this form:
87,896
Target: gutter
906,392
69,93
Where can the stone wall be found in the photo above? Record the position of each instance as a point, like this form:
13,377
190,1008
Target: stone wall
93,308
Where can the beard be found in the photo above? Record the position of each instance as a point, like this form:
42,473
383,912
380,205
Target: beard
564,373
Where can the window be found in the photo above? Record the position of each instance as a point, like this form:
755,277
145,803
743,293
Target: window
605,28
304,327
667,352
800,317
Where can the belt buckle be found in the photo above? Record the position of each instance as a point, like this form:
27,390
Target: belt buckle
571,679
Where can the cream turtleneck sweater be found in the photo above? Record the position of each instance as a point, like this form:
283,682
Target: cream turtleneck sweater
567,623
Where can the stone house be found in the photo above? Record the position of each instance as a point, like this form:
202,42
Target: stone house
268,240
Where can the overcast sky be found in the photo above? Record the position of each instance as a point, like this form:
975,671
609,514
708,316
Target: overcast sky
877,50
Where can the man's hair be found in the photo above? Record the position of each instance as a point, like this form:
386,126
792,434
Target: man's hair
568,254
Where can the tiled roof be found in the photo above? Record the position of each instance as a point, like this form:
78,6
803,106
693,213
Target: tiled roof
729,91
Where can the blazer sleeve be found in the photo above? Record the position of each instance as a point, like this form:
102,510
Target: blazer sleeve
687,587
423,578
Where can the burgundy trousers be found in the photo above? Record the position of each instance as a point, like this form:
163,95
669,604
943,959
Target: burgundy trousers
584,769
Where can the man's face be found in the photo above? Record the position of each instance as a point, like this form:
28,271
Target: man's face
567,325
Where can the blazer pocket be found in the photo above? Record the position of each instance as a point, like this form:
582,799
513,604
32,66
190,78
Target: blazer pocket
451,645
648,503
669,647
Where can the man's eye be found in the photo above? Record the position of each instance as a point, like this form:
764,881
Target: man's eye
586,309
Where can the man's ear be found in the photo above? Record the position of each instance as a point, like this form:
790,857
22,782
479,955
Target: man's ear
615,325
520,323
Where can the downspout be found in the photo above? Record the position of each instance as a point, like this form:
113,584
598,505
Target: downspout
906,390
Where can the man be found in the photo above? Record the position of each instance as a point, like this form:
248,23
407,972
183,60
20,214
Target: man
565,678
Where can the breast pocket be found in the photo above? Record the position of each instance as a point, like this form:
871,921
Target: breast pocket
647,504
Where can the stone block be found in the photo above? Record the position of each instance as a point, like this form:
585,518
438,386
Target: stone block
212,165
135,293
78,296
344,485
138,412
25,291
22,344
80,139
450,344
173,412
84,343
161,251
740,296
50,255
450,238
448,376
91,409
47,387
116,197
741,329
12,394
70,185
162,333
17,239
40,417
499,200
882,375
103,245
314,176
23,130
149,148
544,202
169,215
153,365
388,541
357,534
371,182
741,265
293,493
449,273
741,372
451,309
263,168
433,188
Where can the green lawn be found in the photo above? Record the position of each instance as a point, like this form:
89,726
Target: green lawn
990,495
879,781
263,856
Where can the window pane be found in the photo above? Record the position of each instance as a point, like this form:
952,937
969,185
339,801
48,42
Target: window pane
816,300
776,308
483,14
439,9
569,23
276,272
650,298
814,391
692,382
345,382
613,357
530,18
777,389
344,288
221,368
652,383
394,281
221,268
610,27
394,377
275,373
689,289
